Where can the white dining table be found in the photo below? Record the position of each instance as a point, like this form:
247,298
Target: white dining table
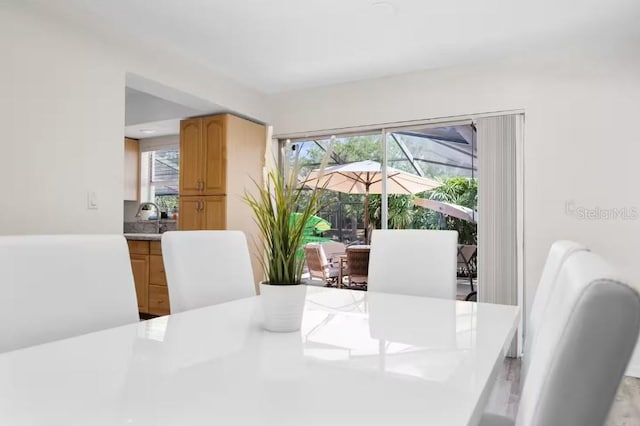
360,358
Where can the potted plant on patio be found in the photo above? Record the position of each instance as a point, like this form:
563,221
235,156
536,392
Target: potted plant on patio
274,204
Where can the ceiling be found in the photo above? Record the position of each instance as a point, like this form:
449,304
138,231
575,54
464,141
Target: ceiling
153,129
149,116
280,45
143,107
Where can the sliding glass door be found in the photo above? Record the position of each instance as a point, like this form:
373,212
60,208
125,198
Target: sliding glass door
440,163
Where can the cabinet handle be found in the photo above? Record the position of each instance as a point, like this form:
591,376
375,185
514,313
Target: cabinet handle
201,186
201,203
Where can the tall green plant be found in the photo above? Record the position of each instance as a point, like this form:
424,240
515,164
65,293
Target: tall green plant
400,211
464,192
273,206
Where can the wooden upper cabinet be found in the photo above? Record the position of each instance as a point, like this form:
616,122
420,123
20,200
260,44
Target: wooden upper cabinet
215,156
131,170
191,157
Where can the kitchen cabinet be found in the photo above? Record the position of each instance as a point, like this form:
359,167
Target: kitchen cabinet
140,268
203,156
158,300
221,157
156,271
202,213
215,157
191,159
149,276
190,218
131,170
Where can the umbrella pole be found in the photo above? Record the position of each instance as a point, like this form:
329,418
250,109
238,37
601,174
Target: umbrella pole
366,217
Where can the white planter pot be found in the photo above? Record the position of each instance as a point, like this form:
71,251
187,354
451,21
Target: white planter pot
282,306
146,214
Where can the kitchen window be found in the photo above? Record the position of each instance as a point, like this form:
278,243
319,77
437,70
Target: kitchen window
160,170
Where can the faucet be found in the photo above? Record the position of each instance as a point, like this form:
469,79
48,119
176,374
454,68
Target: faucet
147,203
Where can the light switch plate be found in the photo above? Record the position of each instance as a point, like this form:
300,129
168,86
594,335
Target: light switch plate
92,201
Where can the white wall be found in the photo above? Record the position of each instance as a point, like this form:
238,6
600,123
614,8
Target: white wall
62,120
581,106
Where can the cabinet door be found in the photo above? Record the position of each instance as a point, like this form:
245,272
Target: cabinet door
213,137
191,157
215,209
156,271
158,300
131,170
140,268
191,217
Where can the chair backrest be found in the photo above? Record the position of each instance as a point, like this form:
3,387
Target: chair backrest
558,254
358,264
333,249
316,260
584,343
58,286
466,253
206,268
414,262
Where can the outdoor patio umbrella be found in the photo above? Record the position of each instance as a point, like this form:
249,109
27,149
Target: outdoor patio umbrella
365,177
448,209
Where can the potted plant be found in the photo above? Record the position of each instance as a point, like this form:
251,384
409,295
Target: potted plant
146,212
274,204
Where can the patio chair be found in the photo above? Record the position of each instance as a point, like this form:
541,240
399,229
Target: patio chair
467,265
333,249
358,266
318,265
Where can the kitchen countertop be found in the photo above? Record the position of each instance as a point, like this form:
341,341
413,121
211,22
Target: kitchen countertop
143,237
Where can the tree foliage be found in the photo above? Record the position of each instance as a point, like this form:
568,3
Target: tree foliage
463,192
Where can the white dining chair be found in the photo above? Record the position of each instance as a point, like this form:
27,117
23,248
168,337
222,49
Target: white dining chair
585,341
206,268
414,262
558,254
58,286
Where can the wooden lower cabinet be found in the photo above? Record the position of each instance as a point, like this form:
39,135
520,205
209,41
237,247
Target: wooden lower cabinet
158,300
208,212
140,269
215,212
190,214
156,271
149,277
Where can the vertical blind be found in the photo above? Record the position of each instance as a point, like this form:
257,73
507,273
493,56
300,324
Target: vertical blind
498,210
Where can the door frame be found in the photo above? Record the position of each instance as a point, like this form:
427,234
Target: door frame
280,141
